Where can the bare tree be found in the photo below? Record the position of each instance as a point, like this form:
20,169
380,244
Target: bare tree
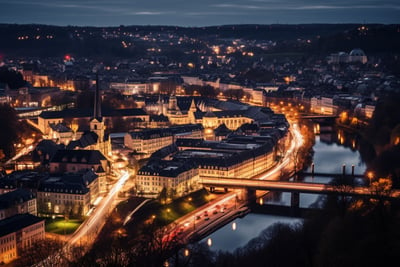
47,252
155,244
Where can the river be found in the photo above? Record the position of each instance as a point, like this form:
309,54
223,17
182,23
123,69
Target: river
331,152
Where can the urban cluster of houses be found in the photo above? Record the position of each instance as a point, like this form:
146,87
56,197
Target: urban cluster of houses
184,138
198,137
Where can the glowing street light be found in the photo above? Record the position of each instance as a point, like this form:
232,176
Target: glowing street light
209,242
370,176
233,226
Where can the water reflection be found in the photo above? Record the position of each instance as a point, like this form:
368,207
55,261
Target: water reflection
331,151
247,228
342,138
329,157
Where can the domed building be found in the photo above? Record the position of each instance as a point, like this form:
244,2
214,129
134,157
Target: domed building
357,55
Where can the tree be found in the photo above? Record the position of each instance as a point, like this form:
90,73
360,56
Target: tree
163,195
13,78
154,245
48,252
382,189
344,185
207,91
9,133
384,120
235,94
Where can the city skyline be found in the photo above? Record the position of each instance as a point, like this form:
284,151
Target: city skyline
204,13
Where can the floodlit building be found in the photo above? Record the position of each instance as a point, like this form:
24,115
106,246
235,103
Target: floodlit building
323,105
19,232
238,158
177,178
81,160
150,140
70,193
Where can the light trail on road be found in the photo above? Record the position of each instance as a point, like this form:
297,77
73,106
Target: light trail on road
188,222
296,143
94,223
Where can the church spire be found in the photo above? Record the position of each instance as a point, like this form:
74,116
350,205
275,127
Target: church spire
97,101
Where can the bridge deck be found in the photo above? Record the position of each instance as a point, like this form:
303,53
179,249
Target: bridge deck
300,187
334,175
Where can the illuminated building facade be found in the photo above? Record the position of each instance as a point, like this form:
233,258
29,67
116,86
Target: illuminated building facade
81,160
71,193
150,140
323,105
177,178
19,232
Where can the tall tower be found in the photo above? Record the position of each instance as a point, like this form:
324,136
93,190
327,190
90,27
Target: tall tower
173,103
97,100
191,112
96,122
160,105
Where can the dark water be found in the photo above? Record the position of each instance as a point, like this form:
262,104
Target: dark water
331,151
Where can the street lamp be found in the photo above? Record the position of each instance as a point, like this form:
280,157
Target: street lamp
370,175
209,242
168,213
186,252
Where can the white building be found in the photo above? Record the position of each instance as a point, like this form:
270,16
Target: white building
323,105
177,178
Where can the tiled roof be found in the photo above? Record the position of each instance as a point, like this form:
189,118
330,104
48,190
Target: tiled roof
17,196
69,183
78,156
166,168
87,139
82,113
17,222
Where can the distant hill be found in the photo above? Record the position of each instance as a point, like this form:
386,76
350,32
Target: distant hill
46,41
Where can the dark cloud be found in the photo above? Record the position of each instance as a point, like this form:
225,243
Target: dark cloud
197,13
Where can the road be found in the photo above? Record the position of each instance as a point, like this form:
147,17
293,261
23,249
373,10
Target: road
188,225
89,229
286,162
195,221
87,232
302,187
21,153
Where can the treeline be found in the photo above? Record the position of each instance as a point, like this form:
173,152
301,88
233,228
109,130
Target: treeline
89,41
12,78
345,232
383,133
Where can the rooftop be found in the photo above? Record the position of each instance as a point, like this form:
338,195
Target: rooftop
17,223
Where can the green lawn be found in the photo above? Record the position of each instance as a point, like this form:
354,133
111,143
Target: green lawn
61,226
166,213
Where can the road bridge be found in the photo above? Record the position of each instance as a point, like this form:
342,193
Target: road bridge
251,185
314,117
329,175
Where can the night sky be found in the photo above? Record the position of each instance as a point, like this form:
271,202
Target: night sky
197,12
